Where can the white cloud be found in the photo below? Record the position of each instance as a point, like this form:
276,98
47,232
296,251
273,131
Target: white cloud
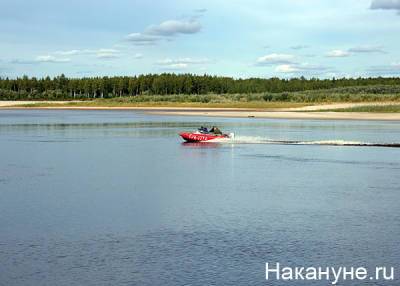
142,39
275,59
355,50
98,53
174,27
165,30
23,62
169,61
286,68
177,66
301,68
68,53
51,59
181,63
138,56
106,56
393,68
106,53
338,54
367,49
386,5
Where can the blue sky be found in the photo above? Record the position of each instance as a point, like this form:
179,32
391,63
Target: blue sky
285,38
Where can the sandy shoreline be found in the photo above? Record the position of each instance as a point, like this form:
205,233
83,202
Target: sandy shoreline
327,115
281,113
14,103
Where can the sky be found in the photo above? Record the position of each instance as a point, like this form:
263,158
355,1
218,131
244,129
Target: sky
240,39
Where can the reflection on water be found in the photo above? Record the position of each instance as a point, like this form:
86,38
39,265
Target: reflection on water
114,198
201,145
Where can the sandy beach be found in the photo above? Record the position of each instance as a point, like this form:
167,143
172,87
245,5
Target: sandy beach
290,114
307,112
16,103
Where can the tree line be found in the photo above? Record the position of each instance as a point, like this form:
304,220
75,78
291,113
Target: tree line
62,87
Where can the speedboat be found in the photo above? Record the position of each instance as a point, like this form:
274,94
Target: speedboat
204,137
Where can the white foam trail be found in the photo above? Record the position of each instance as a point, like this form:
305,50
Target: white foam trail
333,142
265,140
251,140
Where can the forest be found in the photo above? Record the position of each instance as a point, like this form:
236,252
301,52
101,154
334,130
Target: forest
64,88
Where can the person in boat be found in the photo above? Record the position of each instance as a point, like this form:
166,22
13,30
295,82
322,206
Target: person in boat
203,130
215,130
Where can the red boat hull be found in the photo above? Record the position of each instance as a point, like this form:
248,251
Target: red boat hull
199,137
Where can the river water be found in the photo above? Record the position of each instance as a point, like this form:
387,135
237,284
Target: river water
116,198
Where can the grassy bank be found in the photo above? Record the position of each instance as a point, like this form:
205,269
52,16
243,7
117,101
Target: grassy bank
394,108
375,93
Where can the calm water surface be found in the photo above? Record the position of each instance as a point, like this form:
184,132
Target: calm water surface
115,198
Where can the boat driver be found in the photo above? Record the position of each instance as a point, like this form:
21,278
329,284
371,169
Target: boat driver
215,130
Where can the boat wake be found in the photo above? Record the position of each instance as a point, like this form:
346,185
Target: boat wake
262,140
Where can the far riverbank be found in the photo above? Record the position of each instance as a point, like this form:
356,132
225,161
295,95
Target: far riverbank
344,111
